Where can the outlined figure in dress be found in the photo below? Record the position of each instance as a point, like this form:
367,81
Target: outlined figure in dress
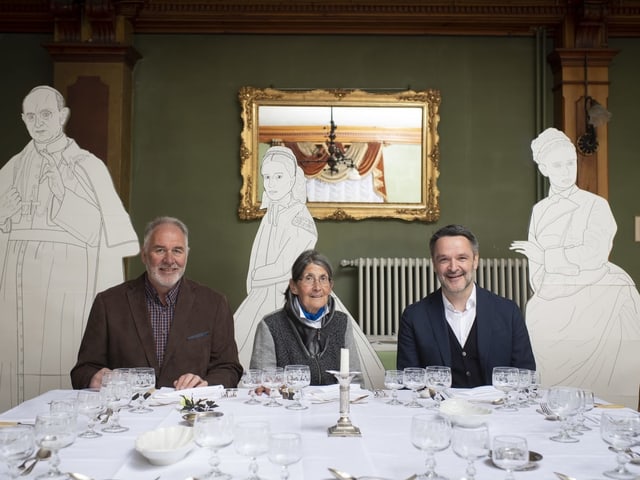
286,230
63,235
584,315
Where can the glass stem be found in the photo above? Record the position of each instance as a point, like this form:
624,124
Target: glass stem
284,473
430,464
471,470
214,460
53,463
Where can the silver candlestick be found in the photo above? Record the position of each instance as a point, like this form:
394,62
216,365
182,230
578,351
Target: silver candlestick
344,427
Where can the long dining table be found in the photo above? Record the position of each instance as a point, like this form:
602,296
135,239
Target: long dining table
384,449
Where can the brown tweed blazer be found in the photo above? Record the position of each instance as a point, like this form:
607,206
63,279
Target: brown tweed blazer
119,334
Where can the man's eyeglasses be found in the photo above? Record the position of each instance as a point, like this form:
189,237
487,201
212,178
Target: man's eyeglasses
310,280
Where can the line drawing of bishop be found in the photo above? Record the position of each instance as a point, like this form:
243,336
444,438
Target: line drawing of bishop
63,236
286,230
584,315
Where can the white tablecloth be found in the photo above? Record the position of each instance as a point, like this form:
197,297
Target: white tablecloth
384,450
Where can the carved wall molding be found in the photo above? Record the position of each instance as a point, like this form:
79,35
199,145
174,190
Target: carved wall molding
408,17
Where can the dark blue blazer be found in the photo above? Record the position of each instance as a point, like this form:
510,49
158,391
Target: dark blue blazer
503,339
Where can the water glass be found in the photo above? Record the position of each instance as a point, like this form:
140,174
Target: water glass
116,391
17,443
251,439
54,431
414,378
621,430
285,449
273,378
430,433
510,453
297,377
438,379
564,402
213,430
506,379
90,404
470,443
252,379
586,405
393,382
142,379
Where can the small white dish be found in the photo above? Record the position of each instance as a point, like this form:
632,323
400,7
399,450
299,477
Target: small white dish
165,446
464,413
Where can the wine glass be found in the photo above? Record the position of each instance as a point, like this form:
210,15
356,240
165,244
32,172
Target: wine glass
53,431
534,388
586,405
116,391
393,381
16,445
142,380
252,379
414,378
430,432
564,402
213,430
506,380
524,382
251,439
438,379
273,378
621,430
470,443
285,449
297,377
510,452
90,404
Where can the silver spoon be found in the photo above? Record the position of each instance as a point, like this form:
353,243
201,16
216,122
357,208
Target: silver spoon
41,454
341,475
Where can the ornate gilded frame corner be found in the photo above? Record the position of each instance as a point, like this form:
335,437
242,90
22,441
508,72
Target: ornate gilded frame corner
427,210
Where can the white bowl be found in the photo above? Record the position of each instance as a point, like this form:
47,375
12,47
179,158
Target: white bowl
463,413
165,446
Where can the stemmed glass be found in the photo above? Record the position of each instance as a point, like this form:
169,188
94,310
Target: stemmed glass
142,380
252,379
586,405
438,379
90,404
273,378
251,439
414,378
534,388
53,431
16,445
393,381
285,449
470,443
621,430
430,432
213,430
510,453
297,377
564,402
506,380
116,391
524,382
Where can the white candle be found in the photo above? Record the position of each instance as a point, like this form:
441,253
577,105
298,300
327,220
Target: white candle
344,361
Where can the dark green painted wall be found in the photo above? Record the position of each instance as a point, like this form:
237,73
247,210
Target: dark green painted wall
187,125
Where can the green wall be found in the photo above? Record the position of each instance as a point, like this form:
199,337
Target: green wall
187,125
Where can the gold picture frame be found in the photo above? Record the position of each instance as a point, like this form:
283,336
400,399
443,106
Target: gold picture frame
419,142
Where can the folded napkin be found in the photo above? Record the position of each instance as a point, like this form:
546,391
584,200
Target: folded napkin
484,393
330,393
168,395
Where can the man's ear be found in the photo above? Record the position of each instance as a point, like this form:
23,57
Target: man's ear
65,113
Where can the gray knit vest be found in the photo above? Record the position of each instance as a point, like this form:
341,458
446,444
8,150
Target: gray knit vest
291,350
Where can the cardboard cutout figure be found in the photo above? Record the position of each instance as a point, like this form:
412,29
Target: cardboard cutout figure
63,235
286,230
584,315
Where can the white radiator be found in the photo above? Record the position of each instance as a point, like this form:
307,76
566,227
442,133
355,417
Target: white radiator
387,285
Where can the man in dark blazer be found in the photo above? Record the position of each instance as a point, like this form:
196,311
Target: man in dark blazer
462,325
162,320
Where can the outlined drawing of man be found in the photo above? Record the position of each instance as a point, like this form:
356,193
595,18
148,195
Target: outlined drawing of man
584,315
63,235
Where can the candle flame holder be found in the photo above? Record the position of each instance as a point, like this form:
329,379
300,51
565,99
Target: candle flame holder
344,427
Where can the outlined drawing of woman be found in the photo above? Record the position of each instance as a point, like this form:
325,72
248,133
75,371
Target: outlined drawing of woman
286,230
584,315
